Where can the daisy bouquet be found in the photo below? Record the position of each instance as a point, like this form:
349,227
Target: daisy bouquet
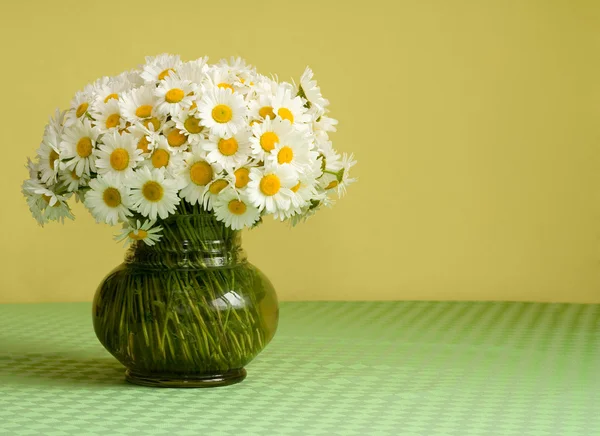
183,155
175,137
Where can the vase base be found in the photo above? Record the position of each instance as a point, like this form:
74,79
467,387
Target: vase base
186,381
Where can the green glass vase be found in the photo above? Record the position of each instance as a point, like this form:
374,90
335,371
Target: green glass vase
189,311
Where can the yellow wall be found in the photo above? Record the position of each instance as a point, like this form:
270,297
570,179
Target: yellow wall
474,122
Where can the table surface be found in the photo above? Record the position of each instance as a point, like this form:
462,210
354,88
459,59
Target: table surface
333,368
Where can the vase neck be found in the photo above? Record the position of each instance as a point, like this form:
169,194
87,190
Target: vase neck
190,241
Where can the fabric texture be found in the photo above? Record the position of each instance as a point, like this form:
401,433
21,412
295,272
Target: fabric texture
333,368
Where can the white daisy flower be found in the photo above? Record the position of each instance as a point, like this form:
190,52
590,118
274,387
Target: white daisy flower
118,155
221,183
310,91
45,204
290,108
267,134
261,104
106,90
194,71
58,211
235,211
197,175
132,77
305,193
77,147
108,116
339,180
163,156
58,120
138,104
152,193
35,207
330,159
140,232
322,125
159,67
144,138
150,129
72,182
173,94
241,175
108,199
35,201
221,77
176,138
222,111
188,122
236,66
294,150
33,168
228,152
347,163
154,124
49,154
80,105
270,189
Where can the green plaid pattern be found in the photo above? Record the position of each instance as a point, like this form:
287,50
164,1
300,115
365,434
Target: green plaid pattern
333,368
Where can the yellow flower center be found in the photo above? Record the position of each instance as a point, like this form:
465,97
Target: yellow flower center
160,158
285,114
152,191
144,111
110,97
74,175
228,147
112,121
225,86
222,113
174,95
295,188
270,184
192,125
51,158
266,111
81,109
332,185
143,144
242,177
201,173
236,207
165,73
112,197
217,186
155,123
268,141
176,138
84,147
141,234
285,155
119,159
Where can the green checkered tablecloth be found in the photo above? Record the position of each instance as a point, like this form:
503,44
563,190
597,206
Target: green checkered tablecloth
333,368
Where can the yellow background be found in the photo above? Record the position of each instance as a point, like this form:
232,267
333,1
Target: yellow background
474,123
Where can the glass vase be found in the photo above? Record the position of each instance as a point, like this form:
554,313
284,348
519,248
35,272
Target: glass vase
189,311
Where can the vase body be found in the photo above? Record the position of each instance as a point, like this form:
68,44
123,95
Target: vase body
189,311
